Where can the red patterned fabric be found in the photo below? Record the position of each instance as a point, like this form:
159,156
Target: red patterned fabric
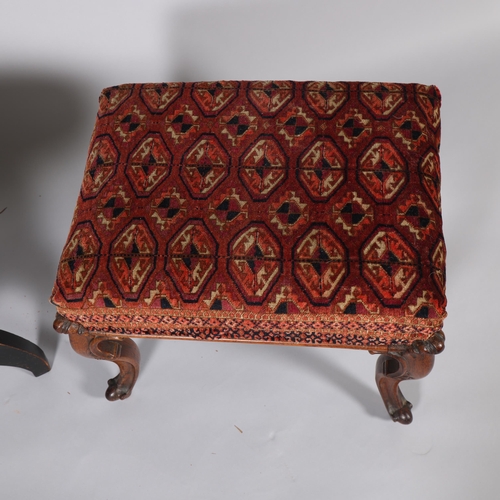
297,212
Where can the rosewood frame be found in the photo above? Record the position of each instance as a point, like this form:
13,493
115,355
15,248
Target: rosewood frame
394,364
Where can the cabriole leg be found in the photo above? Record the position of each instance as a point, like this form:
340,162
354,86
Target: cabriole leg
121,350
408,364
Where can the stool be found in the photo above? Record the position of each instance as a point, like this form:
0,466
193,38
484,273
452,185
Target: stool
281,212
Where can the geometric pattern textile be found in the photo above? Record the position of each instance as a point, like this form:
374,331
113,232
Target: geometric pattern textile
260,211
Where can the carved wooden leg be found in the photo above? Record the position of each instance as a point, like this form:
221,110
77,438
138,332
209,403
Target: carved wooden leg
121,350
411,363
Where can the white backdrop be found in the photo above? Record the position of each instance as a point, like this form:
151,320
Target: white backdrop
313,423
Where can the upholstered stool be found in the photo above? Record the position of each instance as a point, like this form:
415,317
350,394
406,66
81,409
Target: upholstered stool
301,213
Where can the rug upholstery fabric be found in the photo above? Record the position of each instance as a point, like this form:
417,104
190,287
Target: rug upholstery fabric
289,212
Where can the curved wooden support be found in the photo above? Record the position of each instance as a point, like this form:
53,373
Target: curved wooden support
121,350
411,363
19,352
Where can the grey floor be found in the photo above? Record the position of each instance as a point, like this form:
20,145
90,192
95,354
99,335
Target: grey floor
221,421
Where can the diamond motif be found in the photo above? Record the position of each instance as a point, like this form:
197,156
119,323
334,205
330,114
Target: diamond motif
287,302
320,264
417,217
79,261
382,99
356,302
191,259
112,207
390,265
426,306
382,171
159,97
102,295
326,98
129,123
149,164
161,294
112,98
101,165
167,208
410,130
238,125
213,97
288,213
270,97
352,213
204,166
295,126
181,124
132,258
221,300
353,127
263,167
322,169
255,262
228,208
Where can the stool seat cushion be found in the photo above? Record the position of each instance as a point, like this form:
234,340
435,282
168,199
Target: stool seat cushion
261,211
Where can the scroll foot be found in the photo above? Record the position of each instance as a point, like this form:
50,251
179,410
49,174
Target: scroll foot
121,350
411,363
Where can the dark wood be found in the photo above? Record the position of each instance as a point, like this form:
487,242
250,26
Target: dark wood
19,352
121,350
394,365
410,363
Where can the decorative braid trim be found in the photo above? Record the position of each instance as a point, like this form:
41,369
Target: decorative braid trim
356,333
